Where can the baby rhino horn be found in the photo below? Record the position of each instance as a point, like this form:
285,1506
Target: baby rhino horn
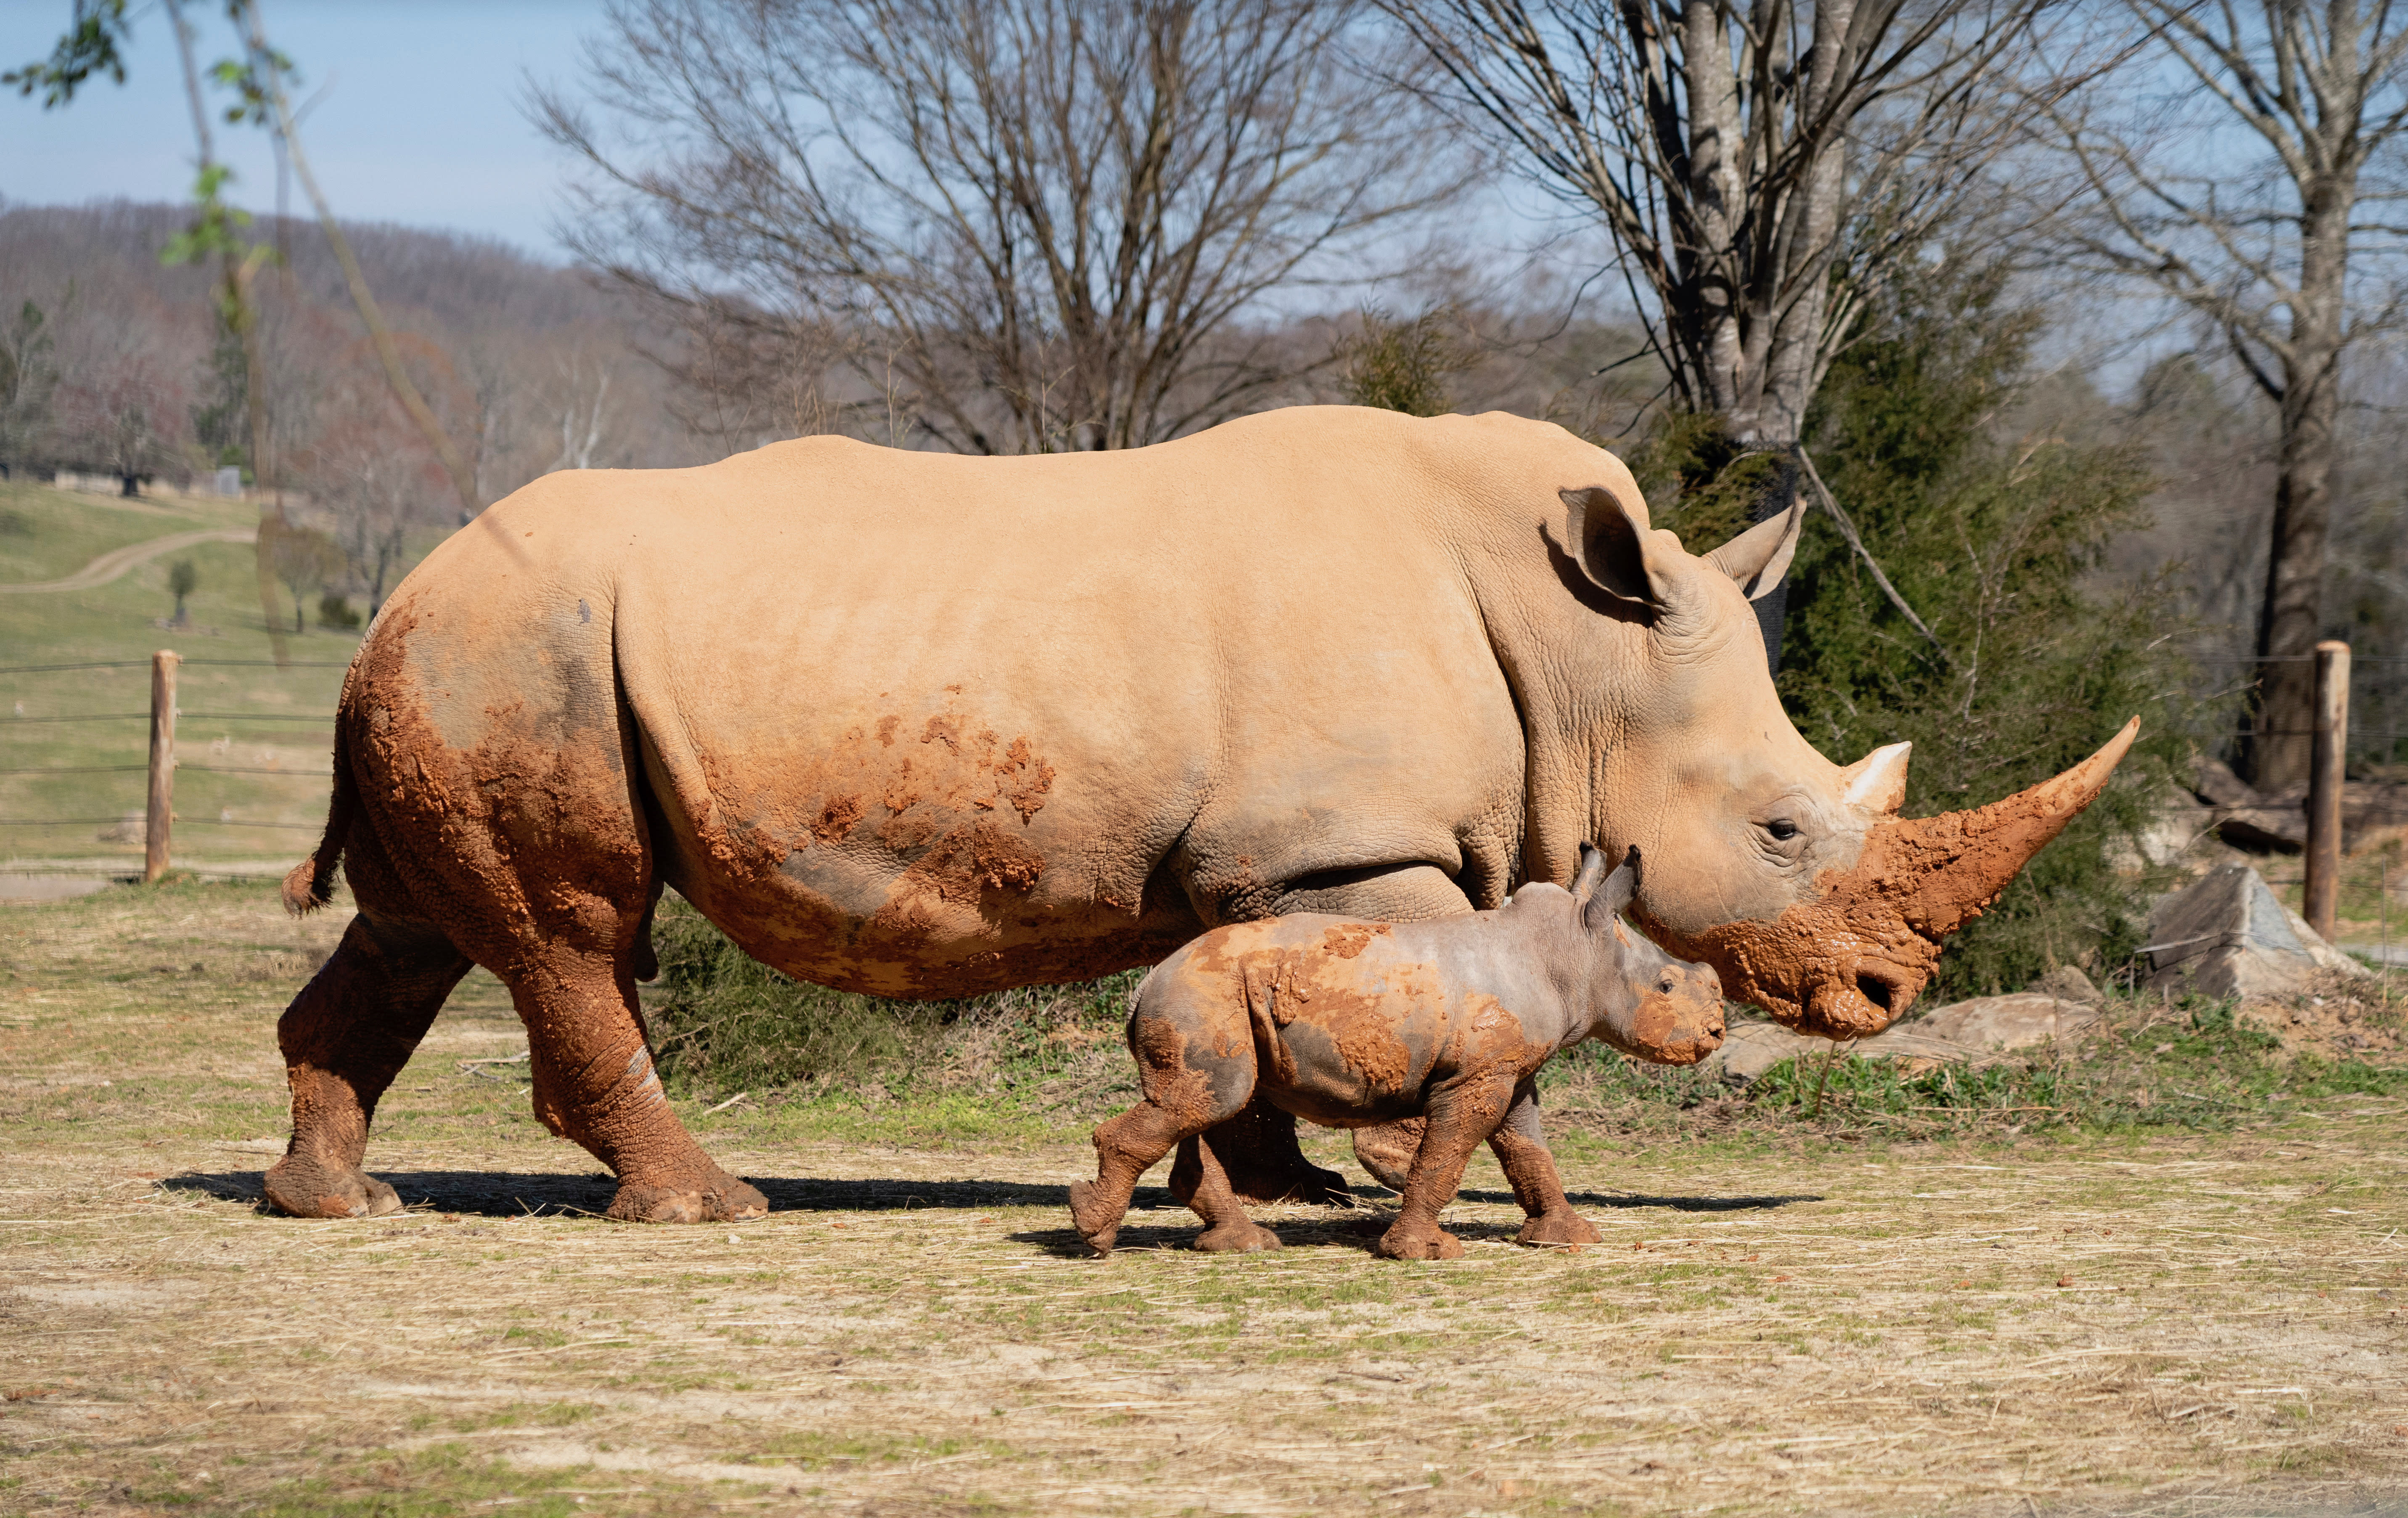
1942,870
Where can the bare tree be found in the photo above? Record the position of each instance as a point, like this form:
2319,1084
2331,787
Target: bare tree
124,407
2261,246
29,375
1030,226
585,414
371,470
1761,167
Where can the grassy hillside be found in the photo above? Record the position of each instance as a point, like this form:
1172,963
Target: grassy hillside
238,715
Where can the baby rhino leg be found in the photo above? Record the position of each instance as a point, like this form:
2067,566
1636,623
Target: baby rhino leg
1189,1085
1200,1180
1521,1149
1461,1114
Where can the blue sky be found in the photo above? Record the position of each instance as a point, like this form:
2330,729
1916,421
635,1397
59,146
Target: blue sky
419,121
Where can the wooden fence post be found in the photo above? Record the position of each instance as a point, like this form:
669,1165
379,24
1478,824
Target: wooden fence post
161,819
2326,769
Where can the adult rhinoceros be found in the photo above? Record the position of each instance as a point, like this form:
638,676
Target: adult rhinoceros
920,724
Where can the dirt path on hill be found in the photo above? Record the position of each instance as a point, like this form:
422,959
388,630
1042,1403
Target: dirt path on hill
101,571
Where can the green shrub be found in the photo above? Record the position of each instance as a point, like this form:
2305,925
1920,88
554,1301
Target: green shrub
1404,365
334,611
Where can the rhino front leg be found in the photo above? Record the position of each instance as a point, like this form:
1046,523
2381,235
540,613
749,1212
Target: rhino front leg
595,1083
1262,1162
1460,1115
1521,1150
345,1036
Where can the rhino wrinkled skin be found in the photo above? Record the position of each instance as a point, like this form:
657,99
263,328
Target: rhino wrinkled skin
922,724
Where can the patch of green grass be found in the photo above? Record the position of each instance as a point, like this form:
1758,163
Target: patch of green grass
816,1450
2200,1068
435,1483
525,1414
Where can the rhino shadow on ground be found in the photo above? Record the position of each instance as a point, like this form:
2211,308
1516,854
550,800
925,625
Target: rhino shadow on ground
508,1193
494,1193
1374,1210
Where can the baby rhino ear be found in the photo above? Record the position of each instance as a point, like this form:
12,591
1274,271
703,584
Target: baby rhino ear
1592,872
1612,895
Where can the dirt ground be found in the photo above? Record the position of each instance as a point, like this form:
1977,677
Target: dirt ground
2179,1324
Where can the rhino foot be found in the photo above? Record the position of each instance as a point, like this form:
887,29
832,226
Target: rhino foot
721,1198
1235,1237
1399,1243
1561,1226
305,1186
1098,1221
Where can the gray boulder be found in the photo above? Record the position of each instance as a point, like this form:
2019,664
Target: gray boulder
2227,936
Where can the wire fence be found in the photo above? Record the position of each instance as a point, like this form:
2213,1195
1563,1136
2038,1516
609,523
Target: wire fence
59,764
2378,702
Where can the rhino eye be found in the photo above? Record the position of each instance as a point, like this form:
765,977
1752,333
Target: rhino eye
1781,828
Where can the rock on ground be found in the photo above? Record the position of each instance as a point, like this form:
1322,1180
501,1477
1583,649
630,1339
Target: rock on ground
2062,1007
2227,936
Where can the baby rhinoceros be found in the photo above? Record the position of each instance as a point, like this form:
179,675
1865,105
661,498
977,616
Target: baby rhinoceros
1349,1023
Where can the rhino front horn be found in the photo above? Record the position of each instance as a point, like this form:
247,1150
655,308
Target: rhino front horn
1943,870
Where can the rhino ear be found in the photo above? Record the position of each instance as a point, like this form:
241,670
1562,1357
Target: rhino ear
1614,896
1759,557
1592,870
1615,548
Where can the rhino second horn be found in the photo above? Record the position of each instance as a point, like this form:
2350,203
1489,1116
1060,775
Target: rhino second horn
1877,781
1945,870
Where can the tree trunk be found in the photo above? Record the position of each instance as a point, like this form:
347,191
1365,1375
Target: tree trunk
2292,616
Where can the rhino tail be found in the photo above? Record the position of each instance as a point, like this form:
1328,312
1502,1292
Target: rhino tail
1272,1053
310,884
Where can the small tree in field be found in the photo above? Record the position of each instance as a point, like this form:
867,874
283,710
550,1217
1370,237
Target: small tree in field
304,559
181,578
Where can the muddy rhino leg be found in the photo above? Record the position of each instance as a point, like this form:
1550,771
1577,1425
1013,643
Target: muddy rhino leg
345,1036
1188,1087
1459,1118
1264,1163
594,1084
1521,1150
1202,1183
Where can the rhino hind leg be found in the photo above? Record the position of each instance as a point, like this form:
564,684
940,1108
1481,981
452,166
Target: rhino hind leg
1264,1163
1202,1183
1387,1151
344,1038
1197,1067
595,1085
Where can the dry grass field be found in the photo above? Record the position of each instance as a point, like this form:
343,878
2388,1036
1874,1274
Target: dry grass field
2196,1322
